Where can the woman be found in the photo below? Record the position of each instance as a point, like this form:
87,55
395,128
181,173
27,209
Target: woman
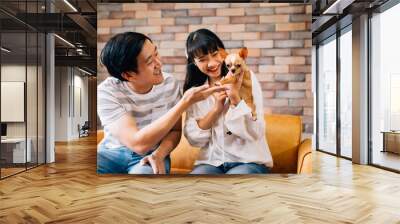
231,141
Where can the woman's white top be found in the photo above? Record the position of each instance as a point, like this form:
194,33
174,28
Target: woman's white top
246,139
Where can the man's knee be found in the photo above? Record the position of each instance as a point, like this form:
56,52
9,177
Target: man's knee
141,169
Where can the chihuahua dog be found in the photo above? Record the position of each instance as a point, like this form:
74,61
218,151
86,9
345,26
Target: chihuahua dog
236,65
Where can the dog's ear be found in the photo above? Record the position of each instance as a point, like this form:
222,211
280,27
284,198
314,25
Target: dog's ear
243,52
223,53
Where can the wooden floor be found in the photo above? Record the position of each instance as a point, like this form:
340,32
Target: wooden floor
70,191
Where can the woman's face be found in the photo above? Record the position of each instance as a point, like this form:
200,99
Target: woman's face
210,64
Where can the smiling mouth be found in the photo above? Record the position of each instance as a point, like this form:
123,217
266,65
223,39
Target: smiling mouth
157,72
215,69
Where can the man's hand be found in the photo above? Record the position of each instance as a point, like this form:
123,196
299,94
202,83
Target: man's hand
196,94
156,163
233,89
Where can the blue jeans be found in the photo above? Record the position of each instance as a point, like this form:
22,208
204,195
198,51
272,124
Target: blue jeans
231,168
124,160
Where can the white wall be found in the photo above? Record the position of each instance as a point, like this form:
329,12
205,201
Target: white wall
67,115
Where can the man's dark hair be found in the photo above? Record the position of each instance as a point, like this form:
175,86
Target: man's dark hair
120,53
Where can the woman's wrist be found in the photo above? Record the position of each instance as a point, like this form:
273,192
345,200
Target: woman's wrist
235,100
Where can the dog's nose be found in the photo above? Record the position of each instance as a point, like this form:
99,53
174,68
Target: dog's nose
233,70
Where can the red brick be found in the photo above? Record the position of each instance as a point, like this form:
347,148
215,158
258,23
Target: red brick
122,15
274,68
202,12
259,61
298,86
134,6
103,30
275,35
230,28
148,29
158,6
290,26
245,36
211,27
160,21
166,52
290,77
274,85
187,20
174,29
290,94
224,36
259,44
290,60
244,5
308,111
109,23
215,5
230,12
148,14
253,52
215,20
268,94
174,60
181,36
180,68
274,19
172,44
187,6
259,11
300,35
174,13
134,22
300,68
276,102
162,36
290,9
265,77
301,102
300,17
287,110
260,27
244,19
275,52
288,43
301,51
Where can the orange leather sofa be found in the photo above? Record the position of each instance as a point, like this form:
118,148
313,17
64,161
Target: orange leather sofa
283,134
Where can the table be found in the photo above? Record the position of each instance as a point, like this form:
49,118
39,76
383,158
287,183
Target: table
13,150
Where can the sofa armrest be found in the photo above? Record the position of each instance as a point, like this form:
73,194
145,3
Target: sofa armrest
304,158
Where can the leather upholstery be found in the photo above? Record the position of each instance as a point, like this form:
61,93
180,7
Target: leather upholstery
283,133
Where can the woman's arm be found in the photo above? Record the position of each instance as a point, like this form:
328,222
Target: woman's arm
239,121
141,141
219,106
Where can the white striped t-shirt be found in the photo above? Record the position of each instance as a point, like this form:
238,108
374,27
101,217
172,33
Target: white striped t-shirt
115,98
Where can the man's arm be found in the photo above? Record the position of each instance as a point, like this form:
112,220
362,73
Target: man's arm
170,141
141,141
157,159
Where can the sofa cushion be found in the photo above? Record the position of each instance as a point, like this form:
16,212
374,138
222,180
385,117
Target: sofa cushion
283,133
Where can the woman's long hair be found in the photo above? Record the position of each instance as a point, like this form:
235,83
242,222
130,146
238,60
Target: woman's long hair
199,43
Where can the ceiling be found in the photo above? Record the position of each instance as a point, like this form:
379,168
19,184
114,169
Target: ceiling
328,16
76,23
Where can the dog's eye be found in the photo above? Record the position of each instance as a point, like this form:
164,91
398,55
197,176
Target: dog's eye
238,65
228,65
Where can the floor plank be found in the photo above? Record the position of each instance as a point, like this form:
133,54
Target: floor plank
69,191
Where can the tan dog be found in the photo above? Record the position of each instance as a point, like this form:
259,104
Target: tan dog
236,64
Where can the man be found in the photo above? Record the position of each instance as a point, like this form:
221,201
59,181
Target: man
140,108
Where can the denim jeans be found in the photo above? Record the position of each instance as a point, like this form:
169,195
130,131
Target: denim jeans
124,160
231,168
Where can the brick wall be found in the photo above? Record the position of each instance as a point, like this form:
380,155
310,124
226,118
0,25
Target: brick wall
278,37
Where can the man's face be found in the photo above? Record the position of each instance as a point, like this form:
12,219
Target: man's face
149,67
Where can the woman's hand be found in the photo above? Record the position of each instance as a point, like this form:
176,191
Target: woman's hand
232,90
156,163
220,98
